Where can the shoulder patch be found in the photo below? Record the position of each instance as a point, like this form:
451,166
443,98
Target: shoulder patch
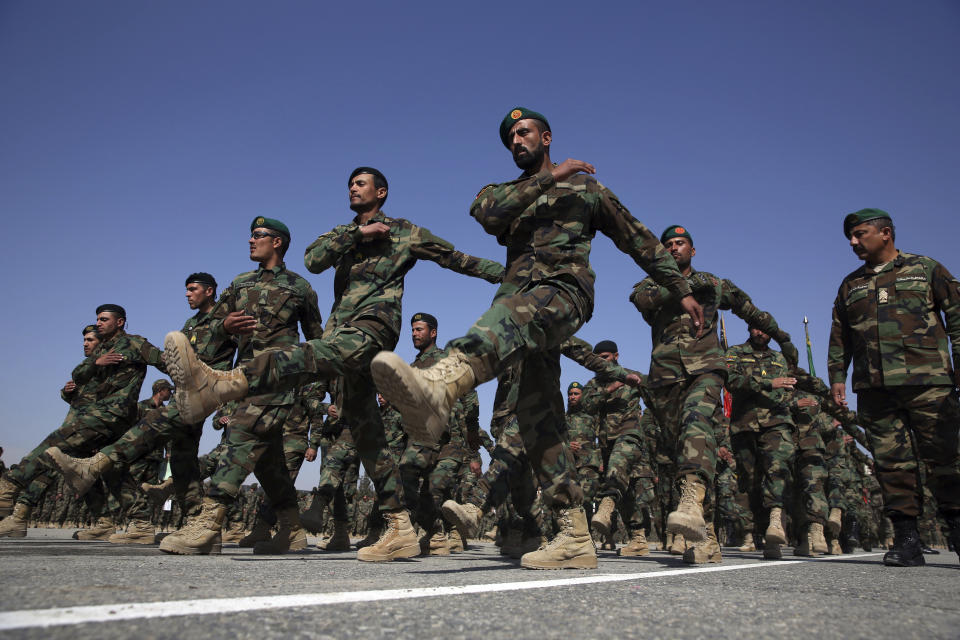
484,190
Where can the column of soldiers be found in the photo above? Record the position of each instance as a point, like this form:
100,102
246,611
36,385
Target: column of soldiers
656,451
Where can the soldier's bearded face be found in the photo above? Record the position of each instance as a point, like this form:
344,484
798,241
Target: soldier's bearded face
527,144
573,397
758,338
423,335
609,356
681,250
90,342
108,324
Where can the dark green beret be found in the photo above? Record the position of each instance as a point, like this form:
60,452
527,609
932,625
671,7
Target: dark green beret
519,113
161,384
675,231
574,385
859,217
606,346
90,327
424,317
272,224
115,309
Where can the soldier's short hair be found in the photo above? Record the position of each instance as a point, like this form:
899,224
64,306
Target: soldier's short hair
880,223
379,180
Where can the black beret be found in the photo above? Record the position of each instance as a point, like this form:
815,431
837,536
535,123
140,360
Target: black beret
90,327
203,278
112,308
606,346
519,113
424,317
859,217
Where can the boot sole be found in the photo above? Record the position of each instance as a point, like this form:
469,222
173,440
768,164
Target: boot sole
454,517
774,537
174,345
407,398
919,562
710,560
76,481
580,562
410,551
691,532
183,550
632,554
14,534
144,541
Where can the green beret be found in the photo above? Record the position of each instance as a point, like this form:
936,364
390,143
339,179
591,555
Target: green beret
519,113
859,217
90,327
675,231
270,223
424,317
574,385
115,309
161,384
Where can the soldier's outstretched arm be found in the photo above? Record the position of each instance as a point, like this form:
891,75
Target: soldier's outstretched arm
498,205
737,301
326,251
816,386
427,246
581,352
946,296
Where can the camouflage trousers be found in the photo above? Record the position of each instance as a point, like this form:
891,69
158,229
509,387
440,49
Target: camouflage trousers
133,500
343,352
81,435
904,424
163,426
294,450
764,464
628,479
835,481
525,330
685,413
339,473
732,506
509,477
254,444
811,475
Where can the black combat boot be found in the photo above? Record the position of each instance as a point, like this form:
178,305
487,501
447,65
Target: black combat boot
906,550
850,538
953,537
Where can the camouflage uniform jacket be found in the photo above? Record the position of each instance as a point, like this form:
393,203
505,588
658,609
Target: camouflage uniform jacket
582,428
677,352
756,404
547,228
143,408
278,299
617,412
393,428
118,385
464,426
889,323
214,350
368,284
82,394
311,397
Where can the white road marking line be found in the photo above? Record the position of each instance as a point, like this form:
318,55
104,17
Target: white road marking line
31,618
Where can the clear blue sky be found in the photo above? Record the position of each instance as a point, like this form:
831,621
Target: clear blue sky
138,140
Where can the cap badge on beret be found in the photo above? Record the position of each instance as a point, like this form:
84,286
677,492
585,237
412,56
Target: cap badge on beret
515,114
259,221
679,230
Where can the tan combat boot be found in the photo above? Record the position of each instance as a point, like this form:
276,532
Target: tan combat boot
604,517
339,541
571,548
101,530
465,517
637,546
706,551
687,520
423,397
201,534
158,492
438,544
818,543
678,545
748,544
775,533
399,540
199,389
138,532
259,533
835,521
233,534
80,473
835,549
15,524
456,542
311,518
290,535
8,496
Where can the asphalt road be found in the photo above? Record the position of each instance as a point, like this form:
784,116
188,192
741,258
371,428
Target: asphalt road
55,587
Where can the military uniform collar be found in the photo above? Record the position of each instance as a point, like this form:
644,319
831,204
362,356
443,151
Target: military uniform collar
867,270
116,336
379,217
424,354
280,268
